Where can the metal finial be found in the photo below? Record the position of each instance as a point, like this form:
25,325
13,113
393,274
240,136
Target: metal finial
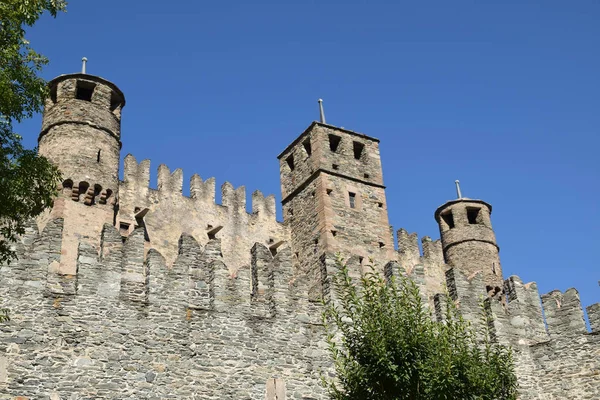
458,193
83,60
321,111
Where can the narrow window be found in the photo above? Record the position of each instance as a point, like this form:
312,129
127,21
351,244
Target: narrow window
329,191
367,176
352,198
53,95
360,260
83,188
290,162
335,166
381,245
334,142
307,147
358,149
98,156
473,215
334,233
380,205
448,219
84,90
115,101
124,228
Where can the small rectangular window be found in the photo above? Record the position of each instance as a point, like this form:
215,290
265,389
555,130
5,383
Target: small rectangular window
290,162
307,147
358,149
352,198
335,166
334,142
448,219
473,215
84,90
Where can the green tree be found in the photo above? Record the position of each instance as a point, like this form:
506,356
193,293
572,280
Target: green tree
27,181
386,345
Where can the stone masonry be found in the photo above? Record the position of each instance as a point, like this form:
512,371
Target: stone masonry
122,291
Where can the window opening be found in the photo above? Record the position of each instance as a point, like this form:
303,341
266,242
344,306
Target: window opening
334,233
381,244
307,147
53,95
85,90
290,162
448,219
352,198
473,215
68,184
123,228
358,149
98,156
367,176
334,142
329,191
335,166
115,101
380,205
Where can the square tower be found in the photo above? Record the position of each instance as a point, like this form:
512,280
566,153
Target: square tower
333,197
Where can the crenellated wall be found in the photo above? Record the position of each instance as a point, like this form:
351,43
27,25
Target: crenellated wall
129,326
167,214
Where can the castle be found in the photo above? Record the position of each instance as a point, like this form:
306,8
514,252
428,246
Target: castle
122,291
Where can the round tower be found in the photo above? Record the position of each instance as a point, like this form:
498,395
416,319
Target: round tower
468,240
81,134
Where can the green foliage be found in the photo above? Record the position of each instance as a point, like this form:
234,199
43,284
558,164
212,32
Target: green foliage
27,182
386,345
4,315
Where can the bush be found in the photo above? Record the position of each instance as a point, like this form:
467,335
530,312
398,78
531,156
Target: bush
386,345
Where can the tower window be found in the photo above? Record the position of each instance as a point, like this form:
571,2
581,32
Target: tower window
334,142
53,95
307,147
334,233
85,90
352,198
98,156
335,166
381,245
358,149
448,219
473,215
367,176
115,101
290,162
329,191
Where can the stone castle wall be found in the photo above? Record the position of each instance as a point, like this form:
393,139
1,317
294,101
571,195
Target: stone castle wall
129,326
132,328
167,214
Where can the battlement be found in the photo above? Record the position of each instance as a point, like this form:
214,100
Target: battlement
166,213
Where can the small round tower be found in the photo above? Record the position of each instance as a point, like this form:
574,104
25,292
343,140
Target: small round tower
468,240
81,134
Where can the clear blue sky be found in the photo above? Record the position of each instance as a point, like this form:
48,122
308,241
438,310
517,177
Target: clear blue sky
504,96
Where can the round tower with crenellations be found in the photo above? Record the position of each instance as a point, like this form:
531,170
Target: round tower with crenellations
468,240
81,134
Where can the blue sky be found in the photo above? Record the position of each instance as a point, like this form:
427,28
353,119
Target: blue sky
501,95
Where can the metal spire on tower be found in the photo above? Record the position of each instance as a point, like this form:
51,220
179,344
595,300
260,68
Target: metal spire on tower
458,193
83,60
321,111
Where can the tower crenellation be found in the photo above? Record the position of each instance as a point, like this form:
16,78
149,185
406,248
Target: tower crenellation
127,290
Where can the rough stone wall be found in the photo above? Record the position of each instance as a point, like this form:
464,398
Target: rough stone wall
427,269
470,244
82,137
132,328
334,198
166,214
